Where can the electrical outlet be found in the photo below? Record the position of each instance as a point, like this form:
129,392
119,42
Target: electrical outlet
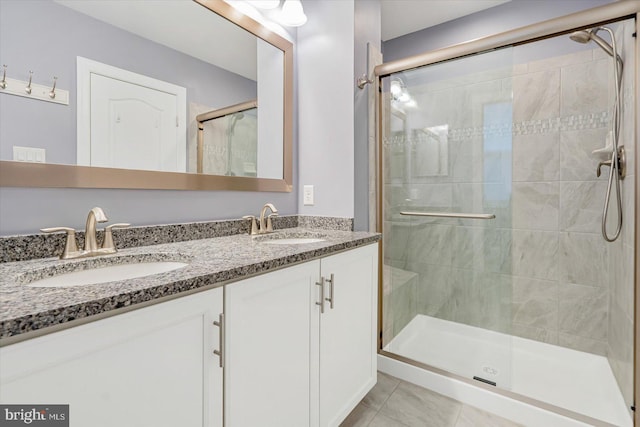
307,196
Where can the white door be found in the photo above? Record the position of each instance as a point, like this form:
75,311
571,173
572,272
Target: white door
151,367
268,343
129,120
132,126
348,332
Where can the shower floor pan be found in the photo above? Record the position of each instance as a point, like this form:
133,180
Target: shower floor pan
574,380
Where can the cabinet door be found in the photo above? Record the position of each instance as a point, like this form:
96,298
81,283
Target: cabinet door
348,332
149,367
269,319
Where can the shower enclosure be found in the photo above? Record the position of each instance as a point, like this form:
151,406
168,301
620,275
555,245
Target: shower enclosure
495,269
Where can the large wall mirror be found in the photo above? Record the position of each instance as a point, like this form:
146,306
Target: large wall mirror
171,94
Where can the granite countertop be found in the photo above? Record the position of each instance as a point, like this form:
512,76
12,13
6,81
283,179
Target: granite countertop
211,262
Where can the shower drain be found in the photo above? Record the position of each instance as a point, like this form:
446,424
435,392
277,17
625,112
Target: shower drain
486,381
490,372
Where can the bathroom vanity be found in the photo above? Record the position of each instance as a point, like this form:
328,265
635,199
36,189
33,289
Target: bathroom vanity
278,330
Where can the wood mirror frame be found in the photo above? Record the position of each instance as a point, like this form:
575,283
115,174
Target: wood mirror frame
23,174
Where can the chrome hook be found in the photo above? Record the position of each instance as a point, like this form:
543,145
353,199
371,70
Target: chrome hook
363,80
28,88
52,92
3,83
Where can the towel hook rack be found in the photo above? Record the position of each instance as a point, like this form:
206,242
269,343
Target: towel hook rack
28,89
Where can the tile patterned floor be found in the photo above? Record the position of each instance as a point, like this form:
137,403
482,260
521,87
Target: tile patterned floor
396,403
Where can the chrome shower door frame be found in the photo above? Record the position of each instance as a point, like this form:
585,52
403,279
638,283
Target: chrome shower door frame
546,29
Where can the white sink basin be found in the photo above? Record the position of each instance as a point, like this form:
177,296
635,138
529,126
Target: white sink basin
111,273
293,241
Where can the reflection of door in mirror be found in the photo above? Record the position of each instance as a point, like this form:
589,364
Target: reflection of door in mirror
131,127
128,120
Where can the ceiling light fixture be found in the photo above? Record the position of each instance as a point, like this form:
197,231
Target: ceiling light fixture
395,89
399,93
292,14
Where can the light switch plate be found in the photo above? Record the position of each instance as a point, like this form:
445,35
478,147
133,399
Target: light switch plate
28,154
307,195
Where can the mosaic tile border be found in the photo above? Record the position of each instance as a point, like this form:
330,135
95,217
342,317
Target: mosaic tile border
565,124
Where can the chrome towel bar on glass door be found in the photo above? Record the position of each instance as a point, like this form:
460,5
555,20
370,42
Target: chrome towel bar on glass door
450,215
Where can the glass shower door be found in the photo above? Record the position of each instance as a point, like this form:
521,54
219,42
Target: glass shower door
447,215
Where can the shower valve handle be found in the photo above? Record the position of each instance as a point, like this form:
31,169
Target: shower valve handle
605,163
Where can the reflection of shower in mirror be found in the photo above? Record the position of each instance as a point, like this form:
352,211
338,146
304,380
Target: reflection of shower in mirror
227,140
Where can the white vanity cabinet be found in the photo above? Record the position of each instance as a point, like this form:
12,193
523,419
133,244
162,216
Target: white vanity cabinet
269,324
298,346
149,367
348,332
291,361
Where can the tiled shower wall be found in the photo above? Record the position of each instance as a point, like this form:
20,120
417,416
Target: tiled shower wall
541,269
557,200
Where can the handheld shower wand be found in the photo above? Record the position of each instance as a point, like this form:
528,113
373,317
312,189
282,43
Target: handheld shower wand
617,163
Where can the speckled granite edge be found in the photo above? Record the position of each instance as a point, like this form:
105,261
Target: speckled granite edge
64,313
325,223
36,246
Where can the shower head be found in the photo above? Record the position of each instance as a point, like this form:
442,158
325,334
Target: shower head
585,36
234,119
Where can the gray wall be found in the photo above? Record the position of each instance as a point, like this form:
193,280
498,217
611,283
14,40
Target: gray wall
507,16
367,30
325,58
25,210
29,41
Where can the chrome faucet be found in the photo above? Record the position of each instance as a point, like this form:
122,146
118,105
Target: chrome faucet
95,215
269,226
90,242
263,229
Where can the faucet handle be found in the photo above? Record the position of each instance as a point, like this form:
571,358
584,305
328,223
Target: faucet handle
70,246
254,225
118,225
605,163
269,223
107,243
